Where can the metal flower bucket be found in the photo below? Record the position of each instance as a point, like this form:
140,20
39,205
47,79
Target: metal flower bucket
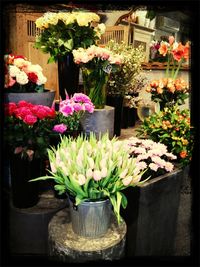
91,218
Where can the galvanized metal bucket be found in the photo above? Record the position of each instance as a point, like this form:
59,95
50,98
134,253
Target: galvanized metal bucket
91,218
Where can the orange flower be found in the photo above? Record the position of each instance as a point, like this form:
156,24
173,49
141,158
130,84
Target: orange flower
154,83
186,51
163,49
164,81
185,142
171,87
183,154
159,90
178,53
148,89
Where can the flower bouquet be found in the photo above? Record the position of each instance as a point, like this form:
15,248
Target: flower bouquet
152,156
170,90
97,63
172,128
22,76
88,169
124,78
61,32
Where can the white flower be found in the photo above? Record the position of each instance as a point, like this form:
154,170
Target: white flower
153,166
104,172
22,78
81,179
13,70
89,173
126,181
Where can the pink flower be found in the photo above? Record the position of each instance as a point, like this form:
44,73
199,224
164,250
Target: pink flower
30,119
126,181
78,107
67,110
89,107
60,128
22,112
79,97
153,166
97,175
23,103
171,39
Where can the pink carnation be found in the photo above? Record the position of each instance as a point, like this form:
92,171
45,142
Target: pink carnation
78,107
67,110
60,128
89,107
79,97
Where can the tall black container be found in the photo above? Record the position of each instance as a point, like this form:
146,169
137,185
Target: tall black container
117,103
68,75
24,194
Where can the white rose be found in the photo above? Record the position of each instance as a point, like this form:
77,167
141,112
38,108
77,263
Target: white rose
22,78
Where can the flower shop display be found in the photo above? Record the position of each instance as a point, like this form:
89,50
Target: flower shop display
97,63
171,89
23,79
94,170
123,80
29,130
172,128
61,32
154,202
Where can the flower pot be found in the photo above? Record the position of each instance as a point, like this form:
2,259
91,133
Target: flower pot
94,82
91,218
24,194
99,122
117,103
68,76
44,98
151,228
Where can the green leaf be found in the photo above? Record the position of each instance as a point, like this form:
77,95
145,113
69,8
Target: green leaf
69,44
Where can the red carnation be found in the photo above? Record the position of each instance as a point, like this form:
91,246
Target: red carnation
30,119
22,112
32,77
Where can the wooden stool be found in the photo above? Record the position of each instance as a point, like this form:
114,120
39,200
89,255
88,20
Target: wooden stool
66,246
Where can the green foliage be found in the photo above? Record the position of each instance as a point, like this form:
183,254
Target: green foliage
172,128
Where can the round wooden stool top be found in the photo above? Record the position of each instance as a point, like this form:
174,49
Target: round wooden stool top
67,246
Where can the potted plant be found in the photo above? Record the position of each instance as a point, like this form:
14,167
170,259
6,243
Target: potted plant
25,81
95,170
158,198
61,32
171,90
122,82
172,128
97,64
28,131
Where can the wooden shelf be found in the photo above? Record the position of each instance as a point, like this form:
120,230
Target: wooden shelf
160,66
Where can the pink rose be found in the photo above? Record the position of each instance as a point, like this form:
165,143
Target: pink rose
30,119
60,128
22,112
